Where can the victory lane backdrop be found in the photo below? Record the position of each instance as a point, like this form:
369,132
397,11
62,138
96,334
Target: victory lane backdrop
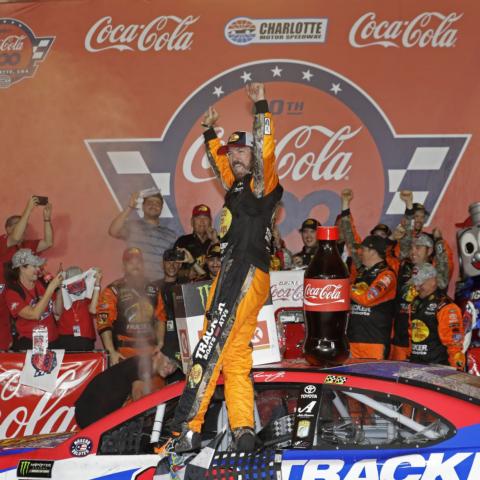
104,97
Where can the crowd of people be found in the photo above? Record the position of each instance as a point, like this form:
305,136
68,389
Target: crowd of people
399,278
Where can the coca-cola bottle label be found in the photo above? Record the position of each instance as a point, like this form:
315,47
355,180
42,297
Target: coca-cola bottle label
326,295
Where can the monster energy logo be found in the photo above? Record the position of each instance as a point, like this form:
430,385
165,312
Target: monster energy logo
203,291
35,469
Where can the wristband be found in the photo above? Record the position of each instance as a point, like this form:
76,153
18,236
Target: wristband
47,220
96,287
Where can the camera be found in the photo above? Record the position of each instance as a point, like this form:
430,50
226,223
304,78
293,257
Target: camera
179,256
41,200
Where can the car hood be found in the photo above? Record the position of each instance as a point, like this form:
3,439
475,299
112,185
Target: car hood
49,440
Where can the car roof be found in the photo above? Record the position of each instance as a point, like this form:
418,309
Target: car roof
434,377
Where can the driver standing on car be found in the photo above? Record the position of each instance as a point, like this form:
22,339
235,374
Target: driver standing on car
246,168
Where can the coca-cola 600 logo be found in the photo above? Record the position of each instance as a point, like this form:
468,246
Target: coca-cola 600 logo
330,134
20,51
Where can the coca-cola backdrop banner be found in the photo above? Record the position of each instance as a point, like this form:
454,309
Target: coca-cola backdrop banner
104,97
30,411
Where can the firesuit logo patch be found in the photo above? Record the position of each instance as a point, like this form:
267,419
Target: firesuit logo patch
195,375
312,156
21,51
419,331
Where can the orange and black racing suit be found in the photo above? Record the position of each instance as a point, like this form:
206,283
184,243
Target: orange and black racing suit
241,287
436,325
132,313
372,302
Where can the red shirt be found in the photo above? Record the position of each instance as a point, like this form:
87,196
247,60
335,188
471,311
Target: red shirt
77,321
16,304
6,254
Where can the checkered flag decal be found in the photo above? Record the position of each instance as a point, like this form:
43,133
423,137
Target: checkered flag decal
41,48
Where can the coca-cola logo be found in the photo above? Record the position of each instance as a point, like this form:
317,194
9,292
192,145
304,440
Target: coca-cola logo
292,293
319,151
326,294
27,411
428,29
330,292
21,51
165,32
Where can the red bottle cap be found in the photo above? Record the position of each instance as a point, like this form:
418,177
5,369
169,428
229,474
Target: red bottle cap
327,233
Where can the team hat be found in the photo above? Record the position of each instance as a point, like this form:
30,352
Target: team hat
201,209
25,256
374,242
214,250
132,252
423,240
383,228
423,273
236,139
310,223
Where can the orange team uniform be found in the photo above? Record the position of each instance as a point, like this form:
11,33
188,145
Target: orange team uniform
243,284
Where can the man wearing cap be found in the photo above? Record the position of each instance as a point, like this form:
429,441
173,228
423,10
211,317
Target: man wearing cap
246,168
145,233
372,302
130,311
201,238
12,241
213,262
436,322
351,236
421,252
30,302
416,215
308,231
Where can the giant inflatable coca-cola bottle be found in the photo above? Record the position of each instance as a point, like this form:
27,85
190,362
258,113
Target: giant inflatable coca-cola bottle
326,302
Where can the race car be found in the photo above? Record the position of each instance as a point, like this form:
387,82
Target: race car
374,420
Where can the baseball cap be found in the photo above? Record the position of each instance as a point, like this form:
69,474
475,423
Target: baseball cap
383,228
420,206
423,240
214,250
374,242
201,209
423,273
310,223
132,252
170,255
236,139
25,256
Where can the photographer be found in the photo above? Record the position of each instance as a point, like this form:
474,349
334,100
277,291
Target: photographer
12,241
145,233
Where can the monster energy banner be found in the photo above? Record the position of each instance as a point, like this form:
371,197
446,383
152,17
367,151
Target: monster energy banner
191,298
190,301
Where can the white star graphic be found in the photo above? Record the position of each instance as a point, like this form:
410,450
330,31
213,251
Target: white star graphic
335,88
307,75
246,77
276,71
218,91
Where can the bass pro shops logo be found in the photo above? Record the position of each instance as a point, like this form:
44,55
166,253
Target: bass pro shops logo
20,51
339,138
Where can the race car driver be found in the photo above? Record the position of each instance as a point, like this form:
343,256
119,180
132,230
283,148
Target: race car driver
246,168
436,322
372,302
130,312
